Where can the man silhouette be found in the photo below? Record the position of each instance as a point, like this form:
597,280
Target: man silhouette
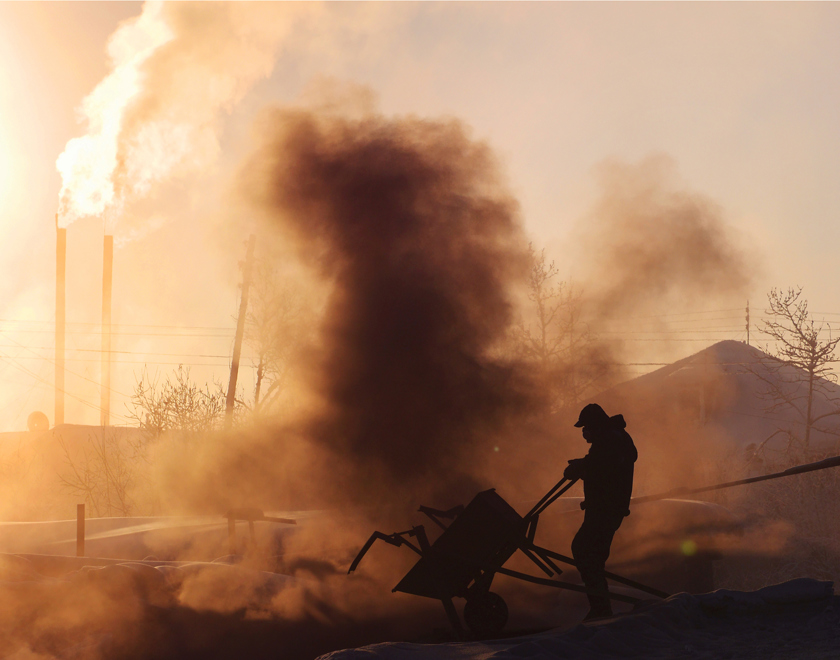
607,474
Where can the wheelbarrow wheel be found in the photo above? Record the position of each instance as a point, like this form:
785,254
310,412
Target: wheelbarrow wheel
486,614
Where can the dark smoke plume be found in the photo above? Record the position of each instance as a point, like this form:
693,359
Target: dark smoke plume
408,221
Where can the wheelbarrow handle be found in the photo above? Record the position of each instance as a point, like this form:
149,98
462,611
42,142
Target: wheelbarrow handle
549,497
545,497
551,500
393,539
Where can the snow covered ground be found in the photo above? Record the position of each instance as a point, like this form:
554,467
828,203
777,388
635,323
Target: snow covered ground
795,619
112,609
123,604
165,537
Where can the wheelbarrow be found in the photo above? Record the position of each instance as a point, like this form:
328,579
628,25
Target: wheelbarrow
472,550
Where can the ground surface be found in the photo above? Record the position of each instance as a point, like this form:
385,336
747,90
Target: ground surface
83,609
798,619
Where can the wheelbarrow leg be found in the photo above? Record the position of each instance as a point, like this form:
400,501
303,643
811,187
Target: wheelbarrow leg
419,533
454,619
394,539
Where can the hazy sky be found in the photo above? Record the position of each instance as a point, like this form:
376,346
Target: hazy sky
743,97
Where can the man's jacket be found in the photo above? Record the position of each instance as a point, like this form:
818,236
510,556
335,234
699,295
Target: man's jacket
608,470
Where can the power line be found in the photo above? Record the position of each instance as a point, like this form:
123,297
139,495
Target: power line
672,339
731,330
132,334
708,311
99,350
181,362
72,373
13,363
124,325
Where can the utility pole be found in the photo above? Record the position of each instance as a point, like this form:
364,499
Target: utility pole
748,322
247,267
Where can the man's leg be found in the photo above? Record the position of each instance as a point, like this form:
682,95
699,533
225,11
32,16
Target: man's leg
591,549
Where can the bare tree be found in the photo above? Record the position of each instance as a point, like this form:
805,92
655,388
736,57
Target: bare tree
555,337
106,473
279,322
114,471
176,404
798,377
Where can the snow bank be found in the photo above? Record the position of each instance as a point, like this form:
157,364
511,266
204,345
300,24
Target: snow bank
719,624
171,537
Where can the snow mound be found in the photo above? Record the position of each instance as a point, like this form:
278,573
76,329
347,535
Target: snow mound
723,623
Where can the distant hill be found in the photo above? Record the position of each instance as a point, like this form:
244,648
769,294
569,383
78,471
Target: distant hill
710,406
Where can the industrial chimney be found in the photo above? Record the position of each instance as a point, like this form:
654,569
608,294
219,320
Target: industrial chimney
107,274
60,267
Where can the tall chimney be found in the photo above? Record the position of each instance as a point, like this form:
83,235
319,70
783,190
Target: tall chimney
60,267
107,274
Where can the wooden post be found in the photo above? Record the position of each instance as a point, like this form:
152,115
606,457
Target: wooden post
240,331
748,322
60,267
107,276
80,530
232,534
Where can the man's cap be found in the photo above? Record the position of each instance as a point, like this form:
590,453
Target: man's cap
592,415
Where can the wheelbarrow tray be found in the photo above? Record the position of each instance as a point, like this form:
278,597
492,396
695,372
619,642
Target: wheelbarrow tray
479,540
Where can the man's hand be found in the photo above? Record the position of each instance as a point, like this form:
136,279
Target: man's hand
576,469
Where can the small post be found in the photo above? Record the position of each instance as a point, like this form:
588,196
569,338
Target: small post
253,533
232,534
80,530
748,322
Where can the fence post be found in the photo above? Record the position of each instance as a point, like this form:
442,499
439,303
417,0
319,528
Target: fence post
232,534
80,530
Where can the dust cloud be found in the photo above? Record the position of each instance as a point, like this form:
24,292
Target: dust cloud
650,254
651,244
407,392
413,253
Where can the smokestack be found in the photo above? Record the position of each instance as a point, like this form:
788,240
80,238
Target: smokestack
60,264
107,273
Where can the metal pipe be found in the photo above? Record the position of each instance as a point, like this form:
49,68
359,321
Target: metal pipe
107,277
612,576
565,585
831,462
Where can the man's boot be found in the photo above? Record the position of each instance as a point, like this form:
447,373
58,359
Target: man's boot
599,604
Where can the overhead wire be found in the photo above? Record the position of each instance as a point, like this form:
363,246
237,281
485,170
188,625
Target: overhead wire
217,332
73,373
99,350
12,361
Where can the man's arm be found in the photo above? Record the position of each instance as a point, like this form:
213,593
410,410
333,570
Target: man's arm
576,469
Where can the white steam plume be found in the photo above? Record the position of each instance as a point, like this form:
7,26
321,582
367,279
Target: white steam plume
175,70
88,163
